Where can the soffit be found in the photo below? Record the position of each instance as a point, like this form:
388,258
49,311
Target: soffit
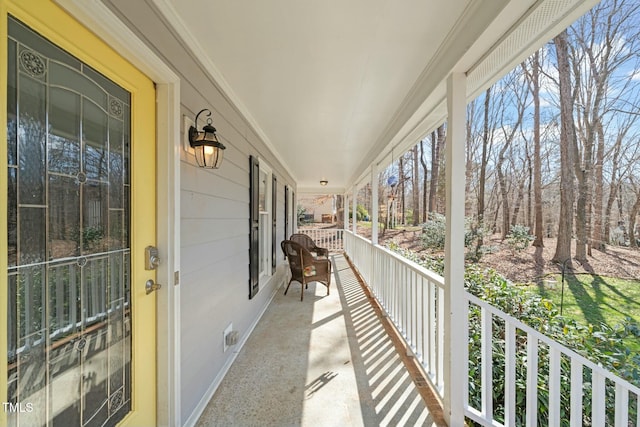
330,86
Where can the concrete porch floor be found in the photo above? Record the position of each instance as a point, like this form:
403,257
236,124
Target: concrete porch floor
325,361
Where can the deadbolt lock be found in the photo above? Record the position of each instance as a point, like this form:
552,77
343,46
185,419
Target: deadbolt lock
151,258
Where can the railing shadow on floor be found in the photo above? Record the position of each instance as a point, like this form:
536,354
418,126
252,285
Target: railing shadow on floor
387,391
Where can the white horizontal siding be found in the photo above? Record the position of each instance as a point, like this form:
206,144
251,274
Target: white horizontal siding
214,273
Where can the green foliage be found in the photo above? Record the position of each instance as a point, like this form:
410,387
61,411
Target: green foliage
301,211
474,234
91,235
594,299
602,344
433,232
361,213
519,238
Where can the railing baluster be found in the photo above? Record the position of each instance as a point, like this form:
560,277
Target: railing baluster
576,393
510,375
73,301
431,331
622,406
59,281
598,398
404,287
532,381
554,387
421,321
414,299
28,303
486,364
440,338
638,410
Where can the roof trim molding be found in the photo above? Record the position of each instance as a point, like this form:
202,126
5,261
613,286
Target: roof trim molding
198,54
459,40
541,21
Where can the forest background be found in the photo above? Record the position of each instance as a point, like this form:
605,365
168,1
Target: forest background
552,146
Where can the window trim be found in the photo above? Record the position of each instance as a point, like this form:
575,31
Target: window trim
262,225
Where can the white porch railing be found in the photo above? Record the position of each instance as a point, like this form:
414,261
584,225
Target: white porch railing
330,238
412,296
571,388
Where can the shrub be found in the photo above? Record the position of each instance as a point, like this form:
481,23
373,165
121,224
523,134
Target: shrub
474,234
601,344
434,231
519,238
361,213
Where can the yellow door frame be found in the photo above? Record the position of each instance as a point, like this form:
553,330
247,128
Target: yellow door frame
64,31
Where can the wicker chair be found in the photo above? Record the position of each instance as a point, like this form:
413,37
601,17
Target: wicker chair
305,268
309,244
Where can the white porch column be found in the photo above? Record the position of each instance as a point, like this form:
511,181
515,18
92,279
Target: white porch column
455,328
353,211
345,210
374,204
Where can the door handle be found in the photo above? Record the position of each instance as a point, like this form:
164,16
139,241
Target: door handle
151,286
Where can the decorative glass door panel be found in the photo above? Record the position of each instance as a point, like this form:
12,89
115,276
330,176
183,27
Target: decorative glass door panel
69,277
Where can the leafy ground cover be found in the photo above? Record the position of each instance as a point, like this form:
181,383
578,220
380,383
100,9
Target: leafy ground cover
605,290
594,299
601,298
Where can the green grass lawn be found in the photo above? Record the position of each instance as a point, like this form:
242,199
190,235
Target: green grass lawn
592,299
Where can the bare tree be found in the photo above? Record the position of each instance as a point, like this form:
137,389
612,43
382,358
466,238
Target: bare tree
437,148
425,178
567,142
402,177
512,99
486,141
533,77
605,45
415,175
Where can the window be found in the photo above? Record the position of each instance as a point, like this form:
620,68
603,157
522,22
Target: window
265,224
262,218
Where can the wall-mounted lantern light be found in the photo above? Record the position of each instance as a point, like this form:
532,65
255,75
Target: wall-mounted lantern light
209,151
323,182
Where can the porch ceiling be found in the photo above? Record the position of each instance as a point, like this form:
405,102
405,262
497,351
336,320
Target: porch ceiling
331,84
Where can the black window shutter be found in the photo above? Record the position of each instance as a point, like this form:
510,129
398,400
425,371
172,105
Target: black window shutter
254,226
274,209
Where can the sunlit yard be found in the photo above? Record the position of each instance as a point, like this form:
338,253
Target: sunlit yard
593,299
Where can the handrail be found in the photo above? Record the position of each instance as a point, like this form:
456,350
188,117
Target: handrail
540,348
413,298
329,238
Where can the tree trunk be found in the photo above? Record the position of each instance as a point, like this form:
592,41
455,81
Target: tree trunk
339,211
504,194
440,176
537,163
483,162
518,203
567,141
416,186
435,166
425,197
613,187
598,195
401,186
633,214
